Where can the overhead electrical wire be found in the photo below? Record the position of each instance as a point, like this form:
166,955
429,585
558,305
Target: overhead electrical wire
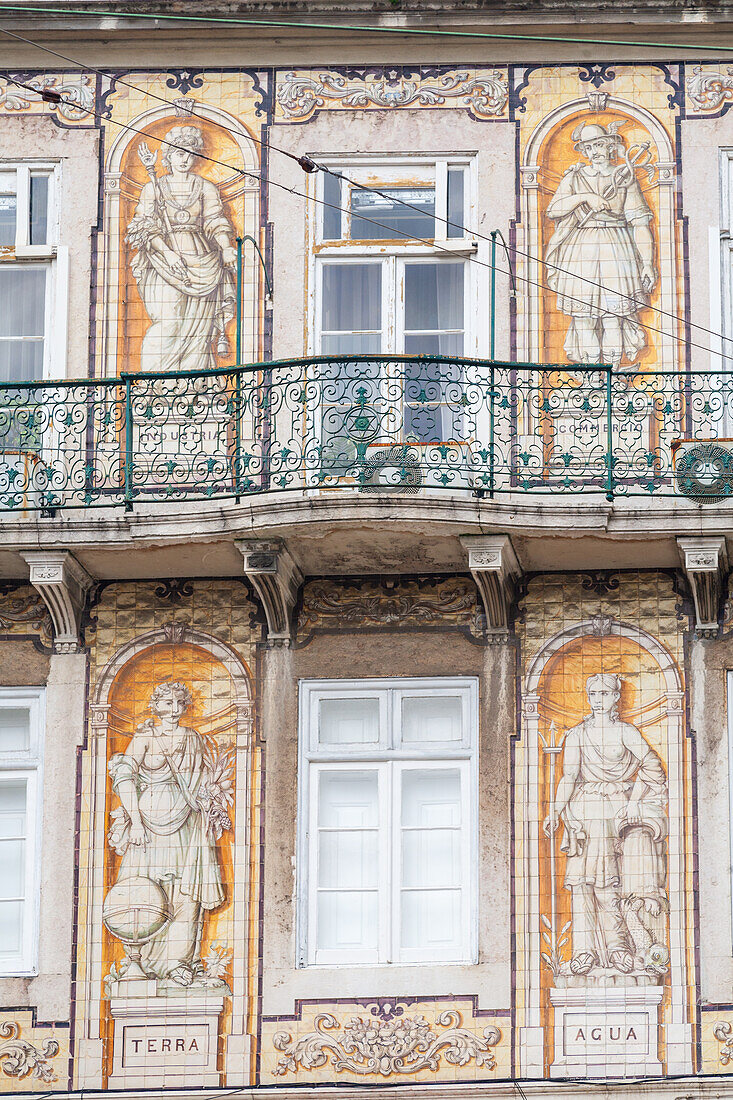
310,165
435,32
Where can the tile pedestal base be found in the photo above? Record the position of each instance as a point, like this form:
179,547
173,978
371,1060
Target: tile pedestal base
165,1041
606,1031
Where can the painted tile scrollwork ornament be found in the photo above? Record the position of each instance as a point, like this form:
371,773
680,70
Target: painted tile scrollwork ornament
19,1058
708,89
723,1032
23,609
367,603
365,1045
77,95
299,95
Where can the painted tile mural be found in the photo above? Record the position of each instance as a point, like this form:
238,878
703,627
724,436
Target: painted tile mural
181,183
605,981
167,938
167,932
597,231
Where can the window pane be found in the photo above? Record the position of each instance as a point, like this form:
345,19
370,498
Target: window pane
12,867
39,210
13,808
348,799
455,202
349,722
23,298
348,861
431,798
433,392
347,921
11,924
8,209
14,729
431,857
359,343
20,361
433,296
432,718
431,919
396,221
447,343
331,217
352,297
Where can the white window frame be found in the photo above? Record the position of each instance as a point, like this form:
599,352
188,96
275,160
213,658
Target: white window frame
393,297
386,760
52,256
27,765
441,249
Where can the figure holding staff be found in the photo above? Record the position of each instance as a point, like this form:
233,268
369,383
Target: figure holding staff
186,259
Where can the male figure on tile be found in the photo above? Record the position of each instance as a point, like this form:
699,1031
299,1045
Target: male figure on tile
611,800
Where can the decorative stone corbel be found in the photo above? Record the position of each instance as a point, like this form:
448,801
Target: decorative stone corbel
63,584
705,561
495,569
276,578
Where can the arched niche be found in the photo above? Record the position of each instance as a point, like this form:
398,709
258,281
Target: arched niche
222,709
547,153
597,645
233,167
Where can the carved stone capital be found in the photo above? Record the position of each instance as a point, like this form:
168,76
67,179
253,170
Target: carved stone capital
495,569
63,585
276,579
705,561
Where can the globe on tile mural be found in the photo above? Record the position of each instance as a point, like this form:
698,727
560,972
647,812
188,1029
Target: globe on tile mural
135,910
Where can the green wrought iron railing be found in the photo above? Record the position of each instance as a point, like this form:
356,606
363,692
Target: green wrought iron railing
365,424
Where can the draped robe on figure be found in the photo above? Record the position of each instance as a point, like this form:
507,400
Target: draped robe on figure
179,853
598,247
607,858
187,314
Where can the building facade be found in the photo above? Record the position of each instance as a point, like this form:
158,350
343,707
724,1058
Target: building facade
365,479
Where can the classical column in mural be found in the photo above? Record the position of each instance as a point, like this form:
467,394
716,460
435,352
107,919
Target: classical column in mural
600,257
174,792
185,258
611,801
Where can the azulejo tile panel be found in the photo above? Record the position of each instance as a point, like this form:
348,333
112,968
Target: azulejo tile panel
301,93
603,806
166,921
23,613
33,1057
386,1041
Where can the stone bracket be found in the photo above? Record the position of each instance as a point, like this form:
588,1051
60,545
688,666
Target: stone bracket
276,578
63,585
496,570
705,562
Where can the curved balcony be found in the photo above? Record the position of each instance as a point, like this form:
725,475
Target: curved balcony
363,465
388,425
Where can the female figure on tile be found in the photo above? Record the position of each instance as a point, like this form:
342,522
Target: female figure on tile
611,801
161,829
601,253
185,261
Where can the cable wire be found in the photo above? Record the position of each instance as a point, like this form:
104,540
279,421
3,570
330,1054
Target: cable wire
313,198
310,165
423,31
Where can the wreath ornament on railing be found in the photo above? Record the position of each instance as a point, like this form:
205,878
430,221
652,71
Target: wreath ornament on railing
704,473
